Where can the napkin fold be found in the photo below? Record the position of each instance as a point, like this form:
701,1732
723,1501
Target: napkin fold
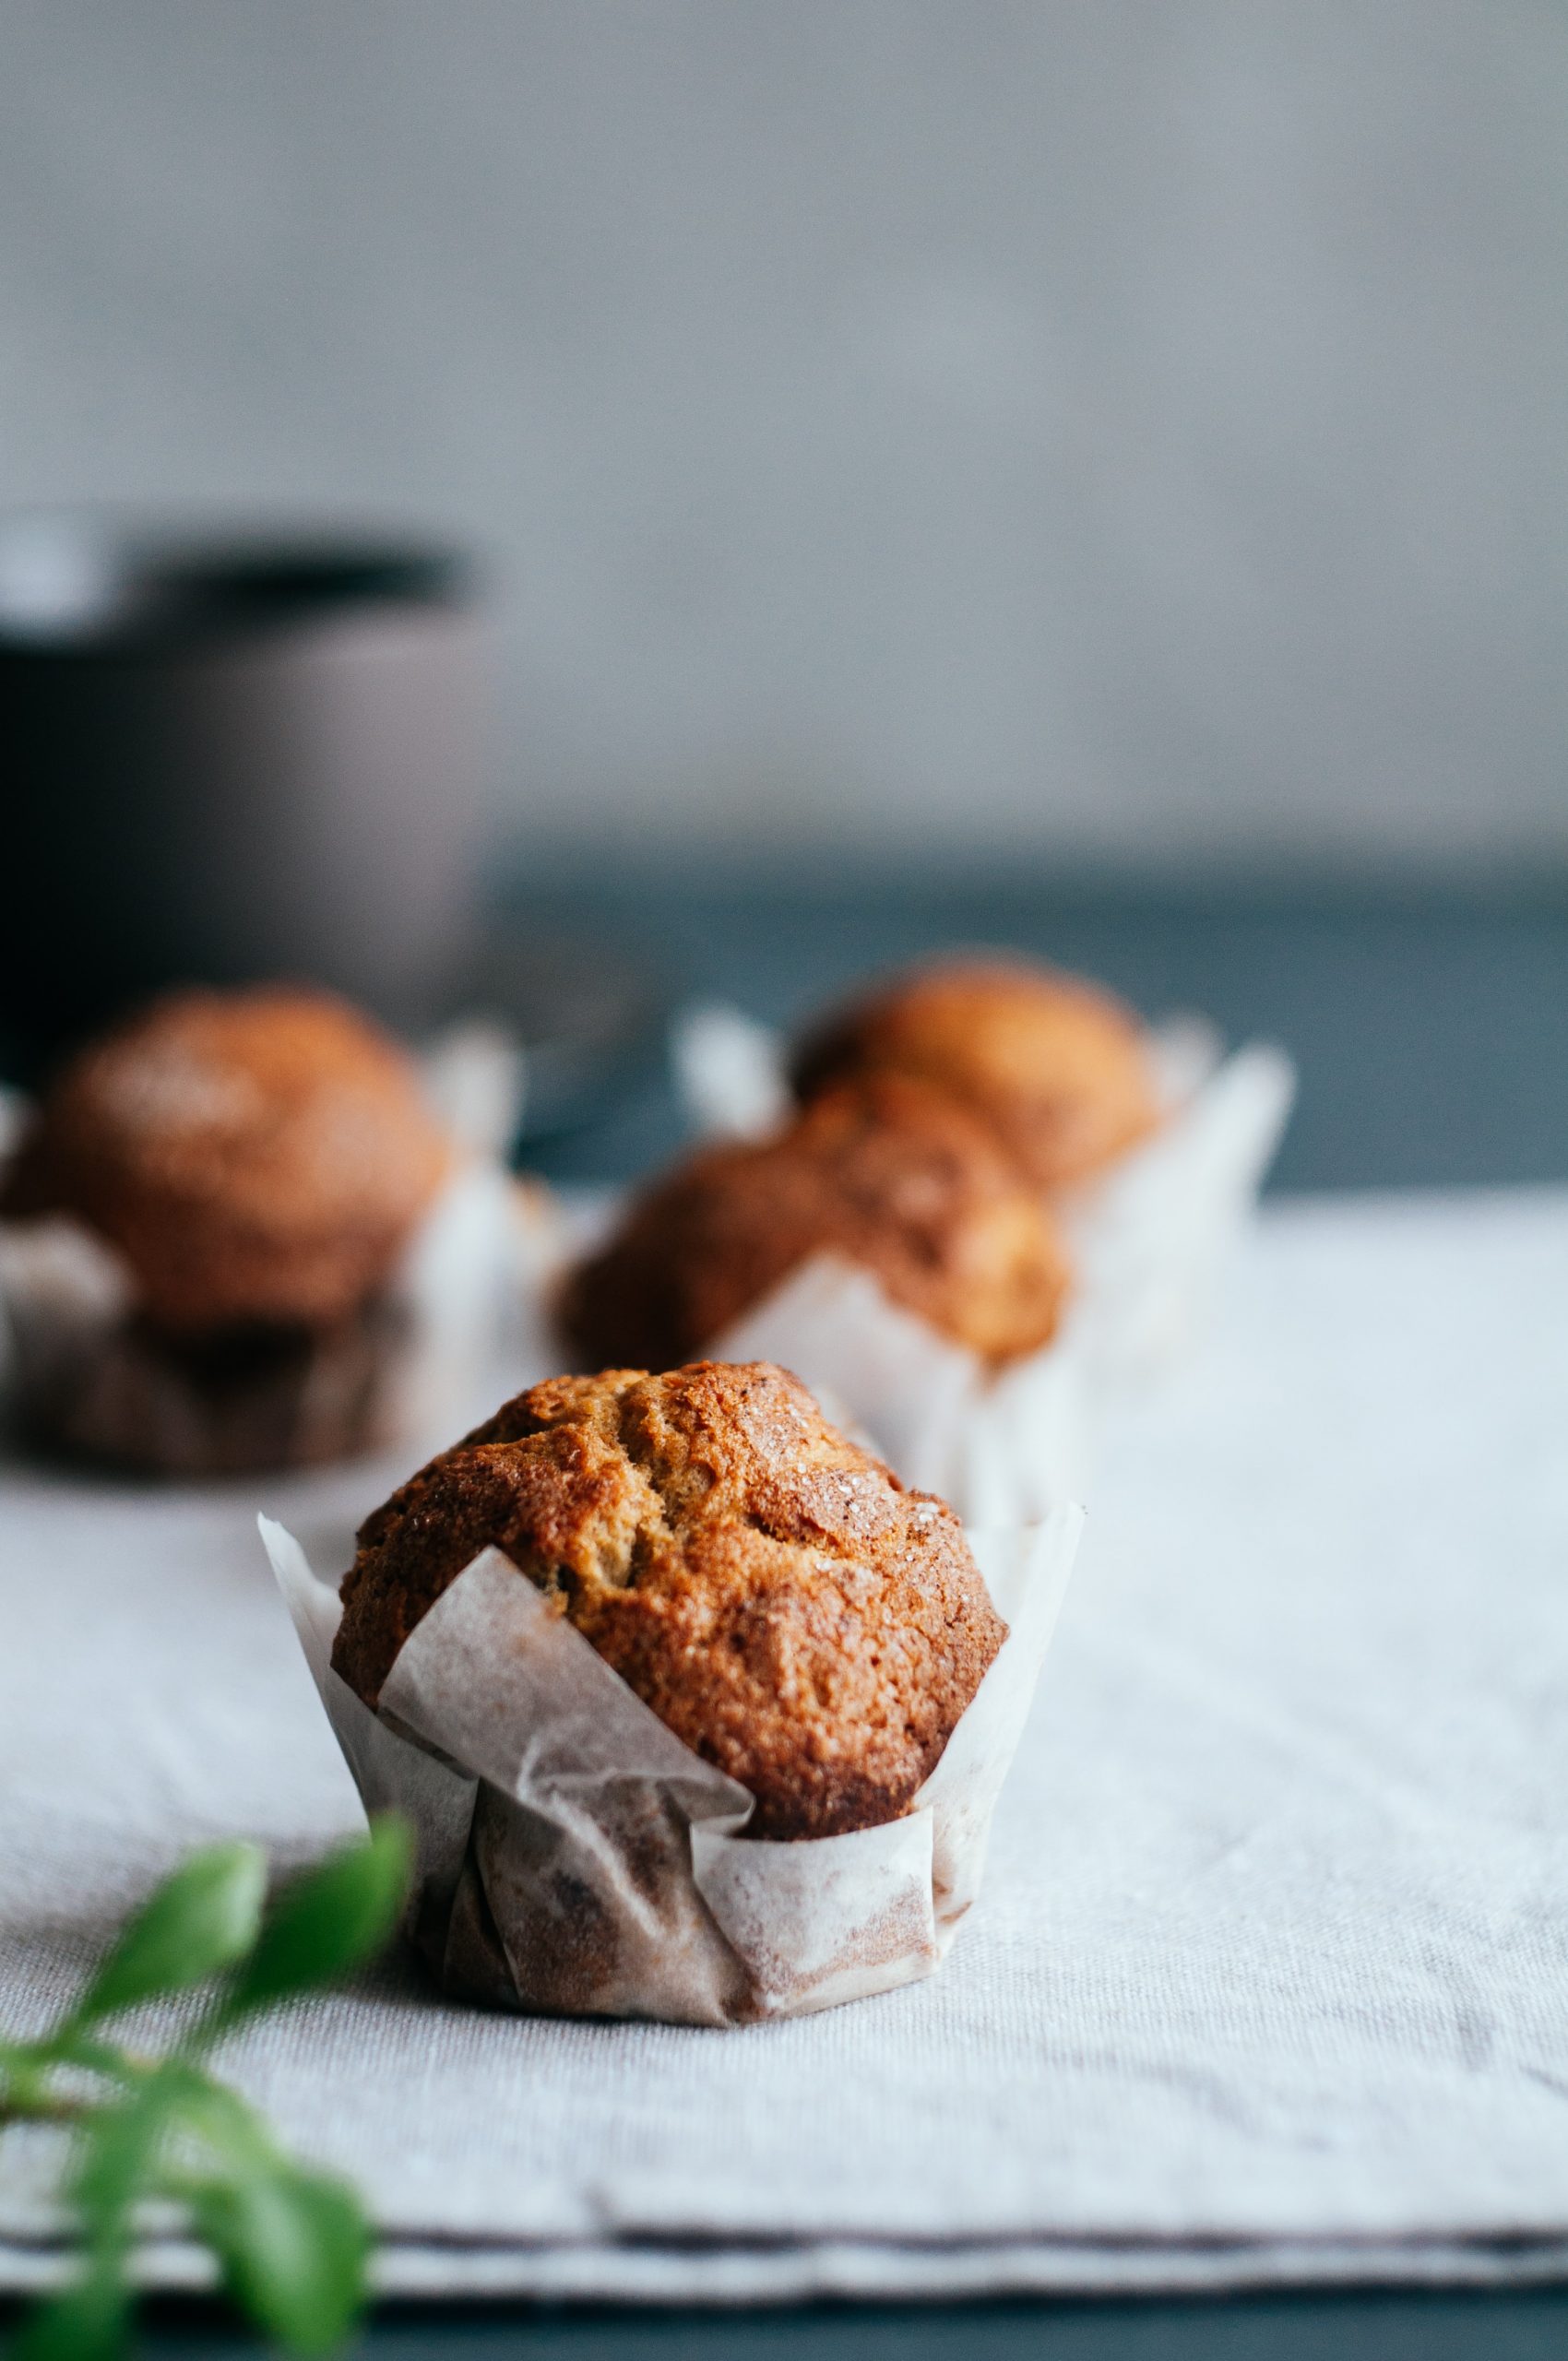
1269,1982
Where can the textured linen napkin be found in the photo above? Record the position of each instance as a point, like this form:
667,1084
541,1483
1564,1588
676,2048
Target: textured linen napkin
1270,1976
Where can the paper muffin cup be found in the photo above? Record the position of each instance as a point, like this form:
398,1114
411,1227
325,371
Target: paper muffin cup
577,1858
84,1374
1000,1444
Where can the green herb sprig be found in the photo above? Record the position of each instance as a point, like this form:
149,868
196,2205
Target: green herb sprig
292,2245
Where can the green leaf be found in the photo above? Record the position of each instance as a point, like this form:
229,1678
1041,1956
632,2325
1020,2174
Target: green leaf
24,2079
87,2322
330,1920
202,1919
227,2124
120,2147
294,2248
70,2047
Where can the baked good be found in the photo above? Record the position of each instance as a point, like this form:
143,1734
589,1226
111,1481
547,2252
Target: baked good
771,1592
884,1171
1059,1069
254,1163
256,1156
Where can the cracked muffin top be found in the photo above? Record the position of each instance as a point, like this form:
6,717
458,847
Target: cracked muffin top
885,1172
257,1155
1058,1069
769,1590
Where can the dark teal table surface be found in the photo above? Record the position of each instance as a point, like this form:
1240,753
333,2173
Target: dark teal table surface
1366,2325
1432,1033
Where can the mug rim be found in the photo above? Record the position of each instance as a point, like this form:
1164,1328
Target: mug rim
73,586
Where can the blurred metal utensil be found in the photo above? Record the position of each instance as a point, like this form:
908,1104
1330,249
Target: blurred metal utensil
589,1017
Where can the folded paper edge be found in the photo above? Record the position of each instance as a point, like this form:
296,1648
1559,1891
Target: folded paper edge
372,1753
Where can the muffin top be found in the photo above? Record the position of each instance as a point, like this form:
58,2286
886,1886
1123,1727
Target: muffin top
256,1156
884,1171
769,1591
1059,1069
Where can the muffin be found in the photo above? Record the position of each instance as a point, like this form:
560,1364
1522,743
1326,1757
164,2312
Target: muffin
1057,1069
883,1172
769,1591
252,1166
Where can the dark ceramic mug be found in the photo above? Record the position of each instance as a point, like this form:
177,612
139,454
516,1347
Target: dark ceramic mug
230,761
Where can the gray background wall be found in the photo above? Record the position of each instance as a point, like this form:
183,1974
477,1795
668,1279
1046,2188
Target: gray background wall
1124,430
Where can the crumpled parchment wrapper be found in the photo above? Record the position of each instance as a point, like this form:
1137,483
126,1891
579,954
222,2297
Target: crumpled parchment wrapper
1148,1239
1000,1445
83,1374
576,1858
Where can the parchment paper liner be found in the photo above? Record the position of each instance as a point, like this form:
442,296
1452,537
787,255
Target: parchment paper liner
1001,1445
577,1858
83,1374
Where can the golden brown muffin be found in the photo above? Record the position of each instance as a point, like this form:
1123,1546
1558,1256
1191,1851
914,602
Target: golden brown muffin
772,1592
887,1173
256,1157
1059,1069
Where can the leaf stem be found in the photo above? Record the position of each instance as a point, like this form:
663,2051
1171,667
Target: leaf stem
44,2108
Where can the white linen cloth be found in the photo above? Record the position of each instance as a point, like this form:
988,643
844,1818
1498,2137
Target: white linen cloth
1270,1979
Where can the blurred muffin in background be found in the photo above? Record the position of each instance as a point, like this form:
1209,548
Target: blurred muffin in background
1057,1069
240,1171
882,1171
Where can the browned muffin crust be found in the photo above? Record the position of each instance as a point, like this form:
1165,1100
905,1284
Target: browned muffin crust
885,1172
1059,1069
772,1592
255,1156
